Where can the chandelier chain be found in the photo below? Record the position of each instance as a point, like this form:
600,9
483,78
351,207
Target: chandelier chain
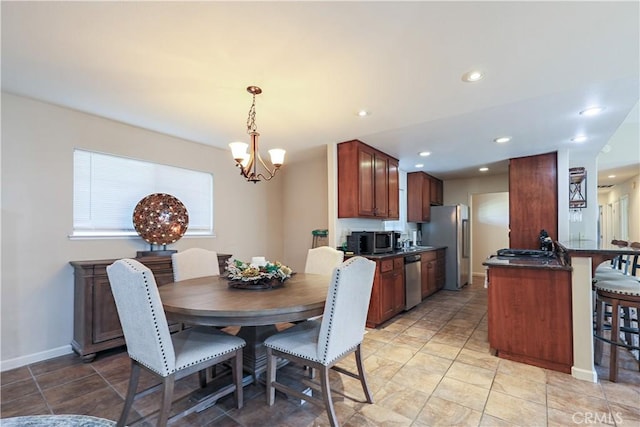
251,119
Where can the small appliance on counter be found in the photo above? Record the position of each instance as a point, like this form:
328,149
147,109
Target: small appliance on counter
371,242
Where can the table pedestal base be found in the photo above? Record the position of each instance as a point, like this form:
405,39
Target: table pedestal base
254,354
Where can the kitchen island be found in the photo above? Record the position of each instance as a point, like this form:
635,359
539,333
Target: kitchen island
529,310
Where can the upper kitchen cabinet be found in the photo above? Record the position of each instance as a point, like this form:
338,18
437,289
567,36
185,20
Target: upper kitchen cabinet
418,197
437,195
533,199
367,182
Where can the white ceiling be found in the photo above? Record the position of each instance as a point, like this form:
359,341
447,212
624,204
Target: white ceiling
181,68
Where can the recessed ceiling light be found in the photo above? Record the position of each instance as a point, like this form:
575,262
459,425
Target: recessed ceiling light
472,76
483,169
502,139
364,113
419,165
579,138
592,111
424,153
611,176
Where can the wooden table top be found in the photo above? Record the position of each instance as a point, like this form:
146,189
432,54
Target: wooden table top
210,301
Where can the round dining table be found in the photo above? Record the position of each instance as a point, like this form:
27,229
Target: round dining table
211,301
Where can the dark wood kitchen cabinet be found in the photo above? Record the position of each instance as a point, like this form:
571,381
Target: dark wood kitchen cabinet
436,193
533,199
428,277
367,182
418,197
441,269
433,271
529,314
387,294
96,326
394,189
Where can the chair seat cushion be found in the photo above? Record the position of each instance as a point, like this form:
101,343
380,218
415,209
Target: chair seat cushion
197,344
622,286
300,340
610,275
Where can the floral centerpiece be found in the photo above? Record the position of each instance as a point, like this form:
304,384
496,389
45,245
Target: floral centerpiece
251,276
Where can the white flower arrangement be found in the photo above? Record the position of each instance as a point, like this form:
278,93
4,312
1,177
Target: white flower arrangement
243,271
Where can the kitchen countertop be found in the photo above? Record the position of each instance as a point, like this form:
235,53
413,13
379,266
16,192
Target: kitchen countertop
412,251
592,246
555,263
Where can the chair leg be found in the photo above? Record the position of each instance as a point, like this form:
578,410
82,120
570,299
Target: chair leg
236,373
202,376
131,393
326,396
271,377
362,375
615,338
599,331
167,397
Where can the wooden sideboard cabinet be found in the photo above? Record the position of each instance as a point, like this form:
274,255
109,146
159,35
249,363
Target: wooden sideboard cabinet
368,182
387,295
96,326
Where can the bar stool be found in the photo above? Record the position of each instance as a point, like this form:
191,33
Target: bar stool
621,295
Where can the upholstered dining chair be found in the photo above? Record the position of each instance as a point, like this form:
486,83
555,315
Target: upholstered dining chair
322,260
320,344
194,262
168,356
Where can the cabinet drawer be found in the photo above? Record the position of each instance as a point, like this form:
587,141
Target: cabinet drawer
386,265
428,256
398,263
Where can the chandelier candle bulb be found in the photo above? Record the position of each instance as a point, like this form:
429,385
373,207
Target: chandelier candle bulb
277,156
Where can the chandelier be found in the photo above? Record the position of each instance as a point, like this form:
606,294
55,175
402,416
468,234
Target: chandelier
248,161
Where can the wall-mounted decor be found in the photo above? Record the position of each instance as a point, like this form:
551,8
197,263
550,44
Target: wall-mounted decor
577,188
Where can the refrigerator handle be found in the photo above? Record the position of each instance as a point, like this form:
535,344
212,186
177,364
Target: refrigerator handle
465,238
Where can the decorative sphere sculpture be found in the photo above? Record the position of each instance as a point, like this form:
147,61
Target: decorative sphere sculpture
160,218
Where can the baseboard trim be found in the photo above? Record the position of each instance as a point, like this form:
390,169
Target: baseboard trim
585,375
21,361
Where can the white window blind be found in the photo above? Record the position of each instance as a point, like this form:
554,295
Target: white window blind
107,188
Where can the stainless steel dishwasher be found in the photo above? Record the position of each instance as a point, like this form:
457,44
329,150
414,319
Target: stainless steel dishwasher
412,281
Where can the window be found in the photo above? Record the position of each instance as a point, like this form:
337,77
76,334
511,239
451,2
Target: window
107,188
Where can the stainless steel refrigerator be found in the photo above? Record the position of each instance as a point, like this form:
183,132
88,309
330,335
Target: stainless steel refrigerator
449,227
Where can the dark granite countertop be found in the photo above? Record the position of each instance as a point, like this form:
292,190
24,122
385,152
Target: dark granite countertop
526,262
412,251
592,246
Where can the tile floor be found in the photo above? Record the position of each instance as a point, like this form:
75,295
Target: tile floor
427,367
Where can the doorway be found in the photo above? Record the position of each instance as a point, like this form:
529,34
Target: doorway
489,228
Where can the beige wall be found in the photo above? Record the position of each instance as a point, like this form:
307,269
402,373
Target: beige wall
489,227
305,205
460,190
37,182
632,189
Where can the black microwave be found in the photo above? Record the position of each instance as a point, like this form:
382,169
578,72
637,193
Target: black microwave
370,242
